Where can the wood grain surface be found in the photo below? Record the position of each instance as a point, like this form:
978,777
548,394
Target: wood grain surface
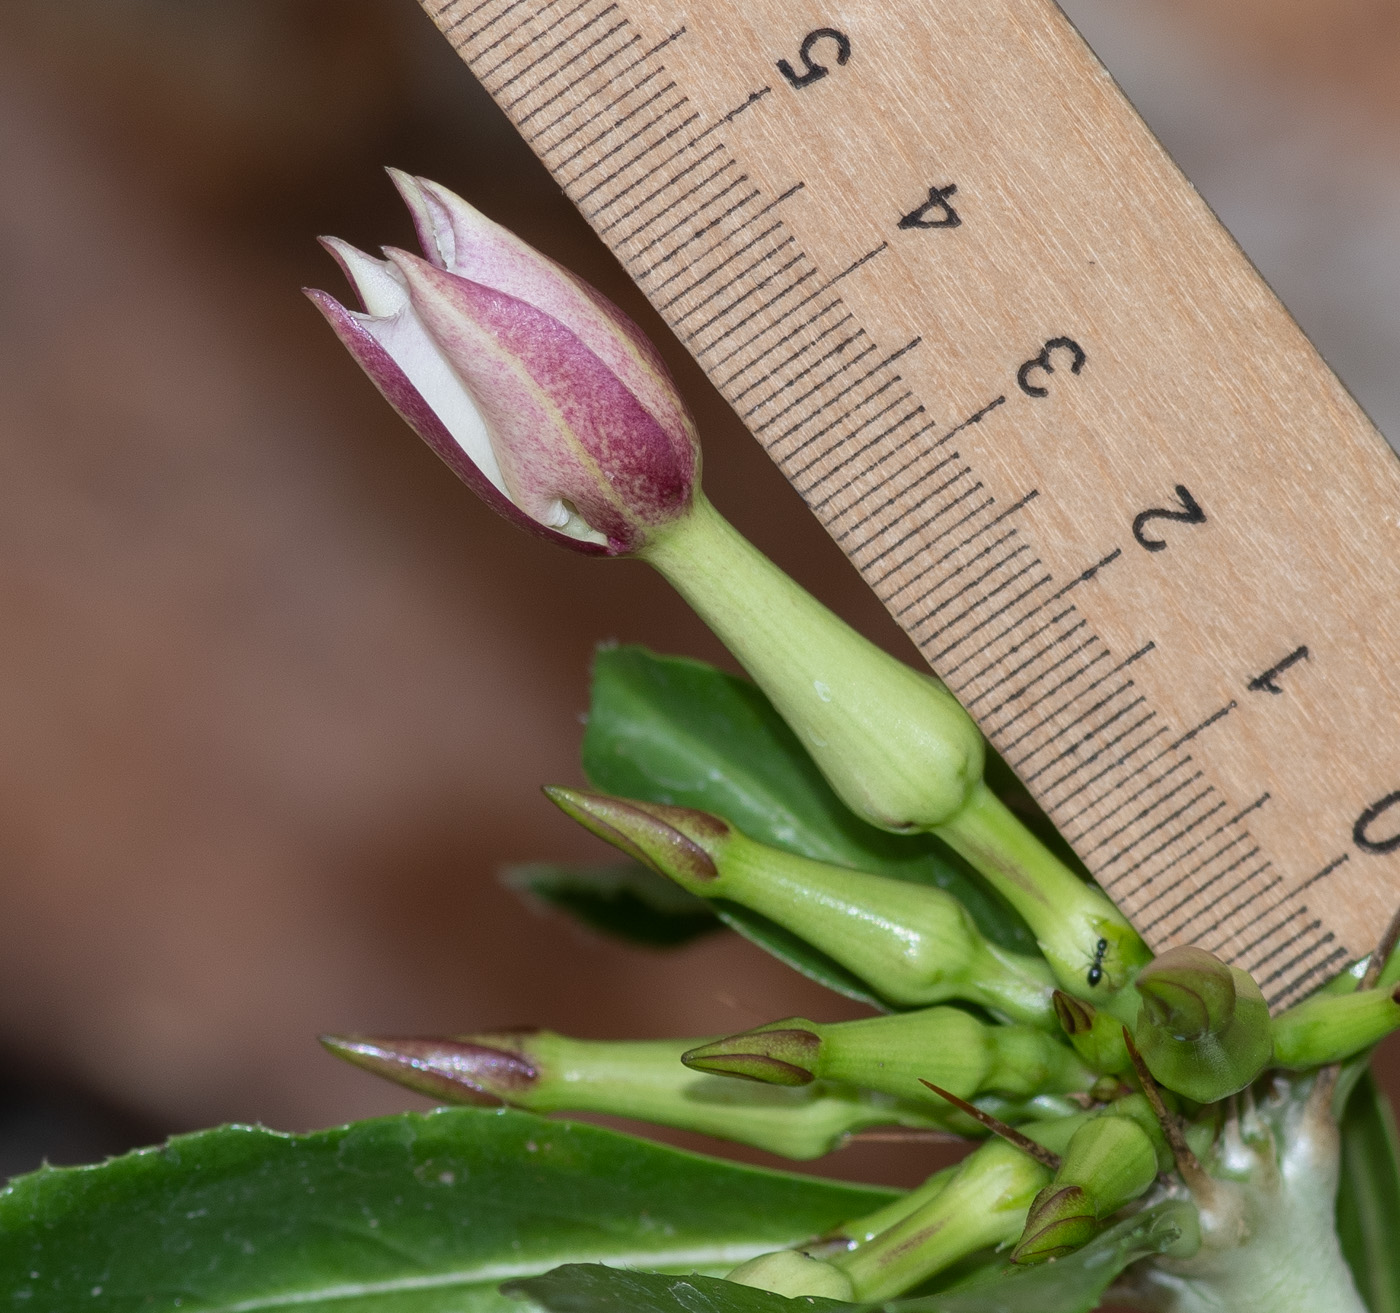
1033,389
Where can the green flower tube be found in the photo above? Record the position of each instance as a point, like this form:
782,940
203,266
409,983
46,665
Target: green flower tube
893,1054
984,1204
912,943
893,742
643,1079
1325,1029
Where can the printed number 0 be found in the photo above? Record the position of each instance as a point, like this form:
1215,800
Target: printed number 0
815,72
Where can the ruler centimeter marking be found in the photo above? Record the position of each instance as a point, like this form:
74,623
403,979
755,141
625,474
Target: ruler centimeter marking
1010,438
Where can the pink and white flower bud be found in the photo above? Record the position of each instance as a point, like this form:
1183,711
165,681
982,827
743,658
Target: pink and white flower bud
534,388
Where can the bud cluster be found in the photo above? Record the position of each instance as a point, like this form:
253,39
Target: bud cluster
552,405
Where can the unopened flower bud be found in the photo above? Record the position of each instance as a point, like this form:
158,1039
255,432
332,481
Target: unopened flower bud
1188,993
537,391
1095,1036
1325,1029
1204,1028
790,1273
1109,1161
913,944
543,1072
894,1054
1061,1219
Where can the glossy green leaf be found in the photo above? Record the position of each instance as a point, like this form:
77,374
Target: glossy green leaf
590,1288
1074,1284
420,1213
672,730
1368,1200
623,899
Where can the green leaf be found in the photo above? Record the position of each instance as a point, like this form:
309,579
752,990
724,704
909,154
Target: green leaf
624,899
1368,1200
589,1288
420,1213
672,730
1069,1285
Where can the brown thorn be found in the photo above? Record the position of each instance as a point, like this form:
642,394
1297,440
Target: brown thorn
1382,954
1197,1179
1010,1134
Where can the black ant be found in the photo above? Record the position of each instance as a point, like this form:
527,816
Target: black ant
1096,967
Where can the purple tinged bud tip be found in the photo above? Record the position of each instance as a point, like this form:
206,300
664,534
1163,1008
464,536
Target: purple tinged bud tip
451,1069
678,842
1075,1016
1061,1220
537,391
785,1054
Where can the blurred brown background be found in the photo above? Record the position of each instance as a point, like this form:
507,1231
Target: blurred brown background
277,694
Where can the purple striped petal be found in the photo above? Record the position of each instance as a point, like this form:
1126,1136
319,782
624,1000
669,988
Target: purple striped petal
564,425
460,239
396,388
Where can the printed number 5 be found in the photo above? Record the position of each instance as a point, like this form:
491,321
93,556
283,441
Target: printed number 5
815,72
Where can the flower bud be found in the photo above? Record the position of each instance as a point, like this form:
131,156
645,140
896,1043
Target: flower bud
1061,1219
983,1204
544,1072
1325,1029
1095,1036
1188,993
789,1273
1109,1161
893,1054
1203,1029
537,391
913,944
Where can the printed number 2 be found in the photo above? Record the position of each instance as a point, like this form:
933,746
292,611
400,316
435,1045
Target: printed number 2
814,71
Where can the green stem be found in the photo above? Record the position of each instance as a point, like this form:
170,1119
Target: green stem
1070,919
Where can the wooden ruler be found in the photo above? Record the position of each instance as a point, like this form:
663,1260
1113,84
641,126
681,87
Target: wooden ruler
1028,383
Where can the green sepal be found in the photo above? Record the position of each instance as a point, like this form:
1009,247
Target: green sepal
1062,1218
1096,1036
